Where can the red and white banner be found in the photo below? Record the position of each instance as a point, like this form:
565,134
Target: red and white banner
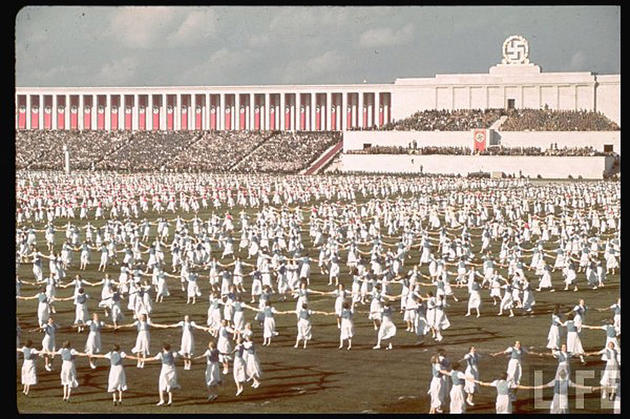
349,117
213,117
128,117
169,118
380,116
228,119
100,118
365,117
333,118
61,117
87,117
34,117
479,139
318,118
22,117
302,118
113,117
74,117
184,124
272,117
142,118
156,118
198,118
47,117
257,118
287,118
241,118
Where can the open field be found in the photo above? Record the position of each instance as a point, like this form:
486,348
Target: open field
320,378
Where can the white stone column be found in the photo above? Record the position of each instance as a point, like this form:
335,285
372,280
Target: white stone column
163,111
237,114
344,111
149,113
377,109
193,102
121,112
575,96
329,105
108,112
267,111
66,113
557,97
53,112
298,114
220,112
94,112
134,113
28,111
205,119
80,113
360,111
40,113
312,110
281,114
177,110
370,114
355,112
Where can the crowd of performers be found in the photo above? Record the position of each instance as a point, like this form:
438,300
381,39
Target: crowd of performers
571,228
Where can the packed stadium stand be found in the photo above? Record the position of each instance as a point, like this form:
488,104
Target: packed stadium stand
551,120
444,120
552,150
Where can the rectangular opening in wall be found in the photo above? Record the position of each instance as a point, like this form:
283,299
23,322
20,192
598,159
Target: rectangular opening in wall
366,146
510,103
608,148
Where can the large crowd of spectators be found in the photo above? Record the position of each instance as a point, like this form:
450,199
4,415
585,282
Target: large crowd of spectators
217,151
444,120
289,152
148,150
44,149
552,150
550,120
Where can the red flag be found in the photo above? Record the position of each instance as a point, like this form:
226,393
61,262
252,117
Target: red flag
257,118
302,118
34,117
128,118
87,117
47,117
318,119
100,118
272,118
142,118
184,124
61,117
228,119
241,118
169,118
74,117
156,118
113,116
213,118
380,116
287,117
22,117
198,118
479,137
349,117
333,118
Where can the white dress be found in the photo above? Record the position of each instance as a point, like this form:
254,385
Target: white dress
93,343
387,329
458,403
143,340
213,368
239,365
29,372
252,364
68,370
347,327
188,340
168,373
117,380
553,337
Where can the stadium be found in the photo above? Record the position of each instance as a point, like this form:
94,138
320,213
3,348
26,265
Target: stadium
365,213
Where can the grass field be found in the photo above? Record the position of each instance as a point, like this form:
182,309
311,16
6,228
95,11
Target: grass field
320,378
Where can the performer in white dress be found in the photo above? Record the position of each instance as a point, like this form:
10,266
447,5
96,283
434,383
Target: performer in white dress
187,345
167,381
143,339
117,380
213,369
252,364
346,332
239,365
387,328
29,370
435,388
472,371
554,336
68,369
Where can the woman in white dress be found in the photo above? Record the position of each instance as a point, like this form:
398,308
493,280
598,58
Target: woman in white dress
435,388
472,371
239,365
93,342
187,345
458,379
252,364
574,344
611,373
143,338
167,381
554,337
387,329
213,369
503,404
117,380
269,322
43,306
346,331
29,370
68,369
